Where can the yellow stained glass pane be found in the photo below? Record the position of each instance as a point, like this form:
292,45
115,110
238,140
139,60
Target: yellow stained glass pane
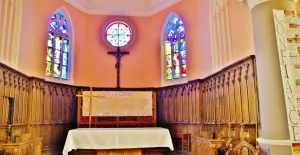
56,72
168,48
49,55
48,69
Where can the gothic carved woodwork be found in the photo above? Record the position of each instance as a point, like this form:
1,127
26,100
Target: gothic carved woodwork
42,109
216,107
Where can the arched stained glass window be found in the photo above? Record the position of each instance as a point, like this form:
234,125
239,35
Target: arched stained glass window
58,47
118,33
175,48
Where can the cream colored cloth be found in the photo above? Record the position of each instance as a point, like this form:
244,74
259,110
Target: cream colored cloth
117,138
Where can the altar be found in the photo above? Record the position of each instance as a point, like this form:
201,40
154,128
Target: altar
127,140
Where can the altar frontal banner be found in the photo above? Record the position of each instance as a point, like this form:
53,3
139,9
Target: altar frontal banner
118,103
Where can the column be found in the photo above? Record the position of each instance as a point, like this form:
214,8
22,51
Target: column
274,137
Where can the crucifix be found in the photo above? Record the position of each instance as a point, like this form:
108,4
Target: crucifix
91,102
118,54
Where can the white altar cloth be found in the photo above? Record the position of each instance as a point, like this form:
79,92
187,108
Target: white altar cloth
117,138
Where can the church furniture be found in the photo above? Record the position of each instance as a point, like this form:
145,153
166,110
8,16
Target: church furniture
43,110
206,146
31,147
106,140
182,140
243,147
211,108
216,105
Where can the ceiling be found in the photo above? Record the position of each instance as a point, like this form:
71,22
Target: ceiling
122,7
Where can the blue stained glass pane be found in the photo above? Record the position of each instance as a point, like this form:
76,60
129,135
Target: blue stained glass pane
50,40
183,61
60,15
175,47
64,29
180,29
65,59
54,25
53,17
174,21
171,33
182,45
65,22
180,21
182,36
64,72
176,72
66,45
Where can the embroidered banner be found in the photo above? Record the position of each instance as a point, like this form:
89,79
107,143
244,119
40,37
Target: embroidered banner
118,103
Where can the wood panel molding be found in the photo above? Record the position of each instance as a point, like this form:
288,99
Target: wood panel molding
216,108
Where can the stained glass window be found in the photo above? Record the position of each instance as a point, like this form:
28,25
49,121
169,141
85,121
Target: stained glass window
118,34
58,47
175,49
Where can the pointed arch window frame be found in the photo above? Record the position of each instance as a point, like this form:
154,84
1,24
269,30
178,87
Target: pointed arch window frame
71,38
164,80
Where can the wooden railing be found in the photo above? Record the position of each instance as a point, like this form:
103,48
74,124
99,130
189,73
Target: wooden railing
214,108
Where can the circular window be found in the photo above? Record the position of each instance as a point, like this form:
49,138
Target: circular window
118,34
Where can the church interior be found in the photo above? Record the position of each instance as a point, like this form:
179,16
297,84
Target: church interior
211,75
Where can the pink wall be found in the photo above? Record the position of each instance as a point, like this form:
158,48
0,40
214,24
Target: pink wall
241,30
92,65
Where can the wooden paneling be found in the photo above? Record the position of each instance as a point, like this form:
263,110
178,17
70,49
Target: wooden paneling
217,107
221,107
42,109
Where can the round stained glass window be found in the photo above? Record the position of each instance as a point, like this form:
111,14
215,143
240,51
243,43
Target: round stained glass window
118,34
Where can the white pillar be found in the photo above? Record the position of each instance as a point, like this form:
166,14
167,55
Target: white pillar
274,138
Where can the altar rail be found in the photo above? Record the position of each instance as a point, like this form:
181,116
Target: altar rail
217,107
40,109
